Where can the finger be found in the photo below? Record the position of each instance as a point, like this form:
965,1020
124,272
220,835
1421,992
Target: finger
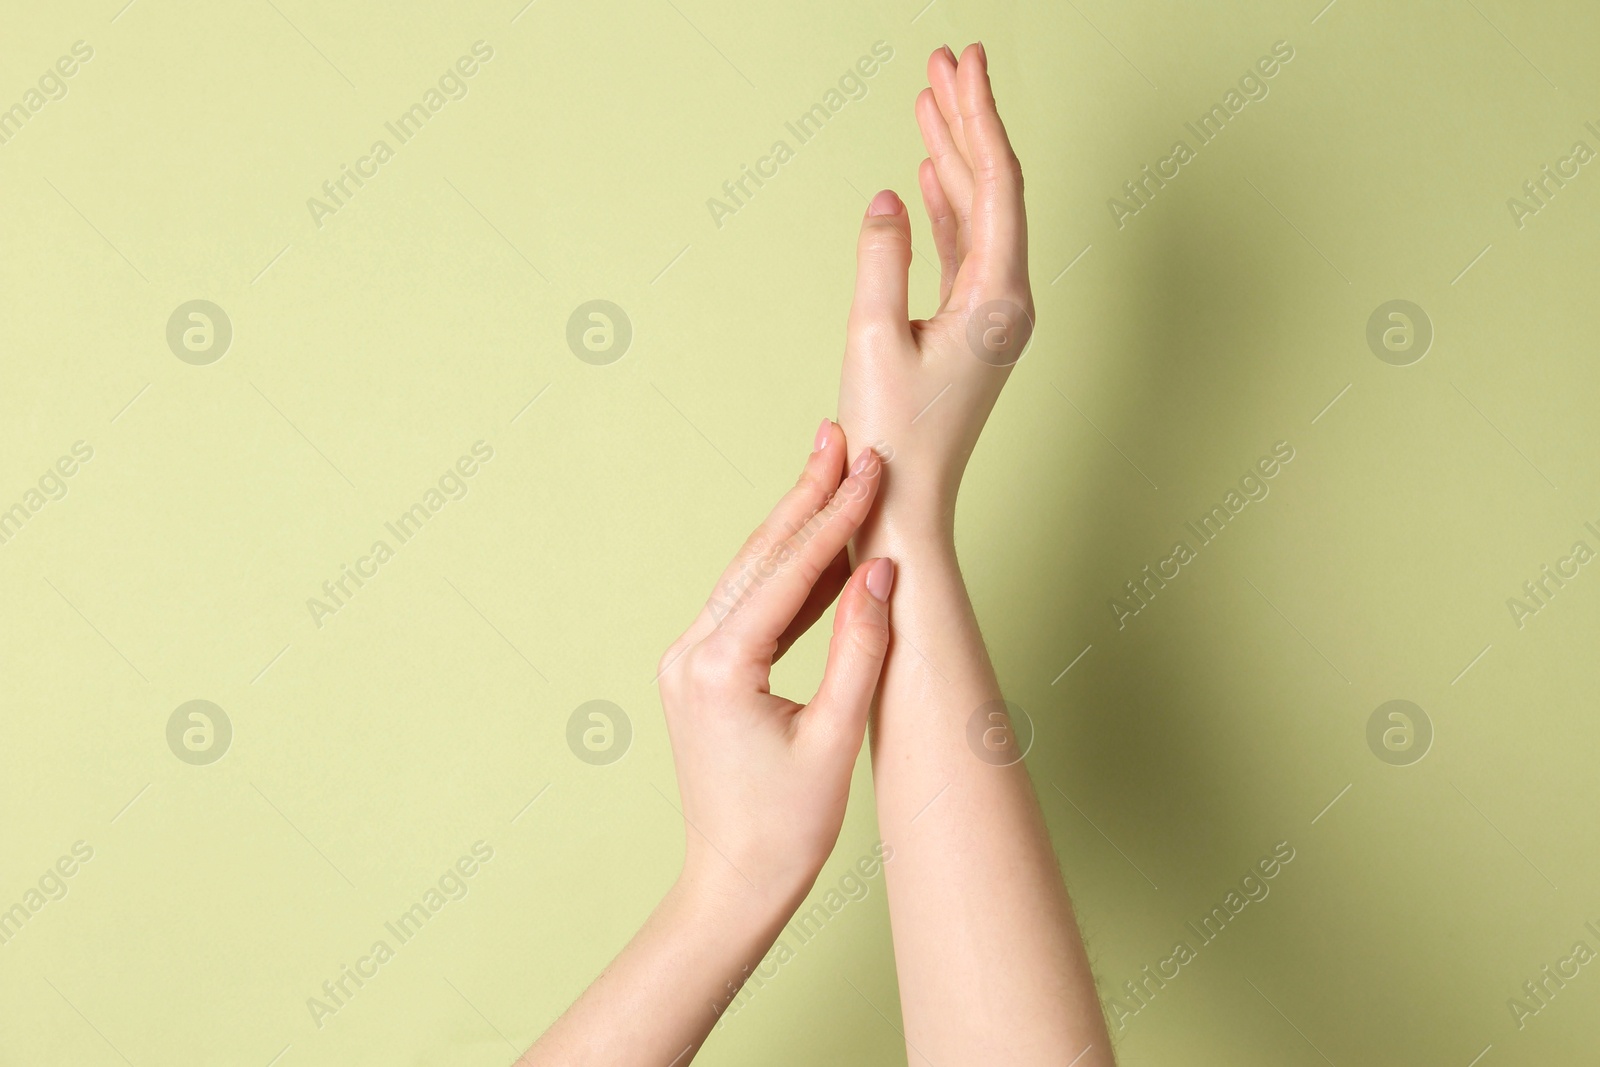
837,717
942,67
955,176
942,218
786,576
818,481
833,579
999,226
883,258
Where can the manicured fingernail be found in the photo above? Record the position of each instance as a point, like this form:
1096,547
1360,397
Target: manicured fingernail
864,462
885,203
822,435
949,53
880,579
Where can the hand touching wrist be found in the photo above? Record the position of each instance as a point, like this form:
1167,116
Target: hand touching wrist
764,780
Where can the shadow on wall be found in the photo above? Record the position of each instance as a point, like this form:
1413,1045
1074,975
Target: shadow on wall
1183,746
1162,755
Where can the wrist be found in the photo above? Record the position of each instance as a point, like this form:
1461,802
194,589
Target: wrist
909,534
720,895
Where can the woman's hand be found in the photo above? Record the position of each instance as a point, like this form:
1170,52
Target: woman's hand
920,391
990,963
764,780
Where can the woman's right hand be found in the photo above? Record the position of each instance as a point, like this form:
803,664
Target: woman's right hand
764,780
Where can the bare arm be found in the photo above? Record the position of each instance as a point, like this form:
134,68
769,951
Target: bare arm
763,780
991,965
659,998
992,968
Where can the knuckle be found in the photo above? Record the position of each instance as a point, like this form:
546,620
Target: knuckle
812,487
874,331
1024,301
711,663
760,542
777,561
945,152
841,507
732,591
670,659
870,638
793,557
997,158
829,735
1003,169
808,569
883,243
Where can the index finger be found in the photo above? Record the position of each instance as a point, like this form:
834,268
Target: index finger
783,578
818,481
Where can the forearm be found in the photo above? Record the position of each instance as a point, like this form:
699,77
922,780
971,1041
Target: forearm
992,968
659,998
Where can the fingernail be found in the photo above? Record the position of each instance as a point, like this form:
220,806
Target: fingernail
822,435
949,53
885,203
983,54
880,579
864,462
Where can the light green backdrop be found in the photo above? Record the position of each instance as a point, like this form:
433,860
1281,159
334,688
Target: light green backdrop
373,345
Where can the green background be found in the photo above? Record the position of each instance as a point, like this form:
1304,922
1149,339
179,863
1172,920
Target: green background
370,352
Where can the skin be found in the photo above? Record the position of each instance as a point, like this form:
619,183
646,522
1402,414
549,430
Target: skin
992,969
991,965
763,780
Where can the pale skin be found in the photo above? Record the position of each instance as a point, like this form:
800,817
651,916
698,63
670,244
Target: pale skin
763,780
991,965
992,969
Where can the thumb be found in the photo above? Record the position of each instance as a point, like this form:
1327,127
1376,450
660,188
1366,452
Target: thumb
883,258
837,716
